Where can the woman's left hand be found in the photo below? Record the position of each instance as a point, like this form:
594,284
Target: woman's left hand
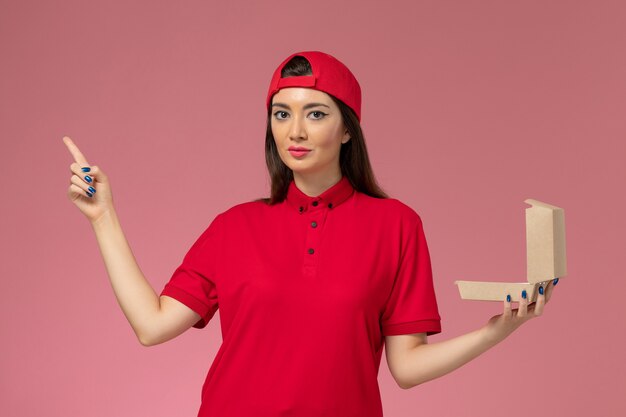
502,325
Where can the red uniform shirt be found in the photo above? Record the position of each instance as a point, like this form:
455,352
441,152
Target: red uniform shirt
307,289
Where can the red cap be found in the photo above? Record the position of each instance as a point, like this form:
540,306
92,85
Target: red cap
329,75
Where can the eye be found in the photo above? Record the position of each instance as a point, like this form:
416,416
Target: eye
279,112
319,113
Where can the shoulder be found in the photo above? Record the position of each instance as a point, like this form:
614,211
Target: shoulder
392,209
246,207
242,210
231,219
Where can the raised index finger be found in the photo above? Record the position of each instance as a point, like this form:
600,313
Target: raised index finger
76,153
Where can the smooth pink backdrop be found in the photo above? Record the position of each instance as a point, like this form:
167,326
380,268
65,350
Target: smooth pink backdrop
469,108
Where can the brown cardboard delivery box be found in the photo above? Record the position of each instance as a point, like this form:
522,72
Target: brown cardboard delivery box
545,257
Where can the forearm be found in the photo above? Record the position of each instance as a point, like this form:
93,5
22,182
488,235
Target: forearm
134,294
430,361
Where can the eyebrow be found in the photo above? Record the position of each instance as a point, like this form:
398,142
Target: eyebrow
306,106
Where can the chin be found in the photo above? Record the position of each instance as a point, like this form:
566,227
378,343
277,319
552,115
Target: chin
303,166
299,170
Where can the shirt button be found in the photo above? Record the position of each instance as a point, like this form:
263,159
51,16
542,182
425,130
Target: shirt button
330,205
301,209
314,224
315,204
311,250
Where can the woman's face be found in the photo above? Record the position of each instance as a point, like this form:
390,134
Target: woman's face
309,119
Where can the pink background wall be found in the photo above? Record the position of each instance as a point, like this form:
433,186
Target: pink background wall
469,108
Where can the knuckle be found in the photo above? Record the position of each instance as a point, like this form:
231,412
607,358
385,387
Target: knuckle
97,171
76,180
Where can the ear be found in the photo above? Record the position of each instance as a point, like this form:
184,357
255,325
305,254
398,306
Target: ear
346,137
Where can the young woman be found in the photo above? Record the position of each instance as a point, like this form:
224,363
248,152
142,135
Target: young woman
311,282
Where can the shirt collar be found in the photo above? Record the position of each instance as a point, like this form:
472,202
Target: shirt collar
330,198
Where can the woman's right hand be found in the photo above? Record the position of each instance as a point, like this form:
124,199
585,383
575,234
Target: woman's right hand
93,198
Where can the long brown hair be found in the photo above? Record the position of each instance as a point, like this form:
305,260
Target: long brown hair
353,159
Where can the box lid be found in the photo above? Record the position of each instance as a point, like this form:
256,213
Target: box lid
545,242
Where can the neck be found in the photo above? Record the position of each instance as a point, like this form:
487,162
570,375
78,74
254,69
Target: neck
315,184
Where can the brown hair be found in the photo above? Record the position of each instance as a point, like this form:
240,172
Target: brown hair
353,159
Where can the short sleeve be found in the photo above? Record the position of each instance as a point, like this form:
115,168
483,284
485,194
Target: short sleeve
412,304
193,282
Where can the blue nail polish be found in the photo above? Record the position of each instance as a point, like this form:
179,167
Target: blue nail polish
86,169
93,190
89,194
524,294
556,280
88,178
508,298
541,289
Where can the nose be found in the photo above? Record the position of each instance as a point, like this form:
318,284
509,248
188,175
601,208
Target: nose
297,129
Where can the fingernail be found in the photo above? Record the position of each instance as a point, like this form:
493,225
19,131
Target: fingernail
88,178
556,280
508,298
89,194
86,169
524,294
541,289
93,190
